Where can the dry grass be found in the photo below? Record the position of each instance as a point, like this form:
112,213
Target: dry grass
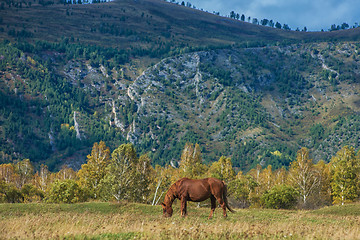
129,221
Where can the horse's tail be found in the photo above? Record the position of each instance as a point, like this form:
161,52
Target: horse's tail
225,198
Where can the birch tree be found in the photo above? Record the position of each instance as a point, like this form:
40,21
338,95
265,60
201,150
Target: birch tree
266,178
145,174
25,171
42,178
323,196
121,174
164,177
7,172
191,162
222,169
66,173
303,175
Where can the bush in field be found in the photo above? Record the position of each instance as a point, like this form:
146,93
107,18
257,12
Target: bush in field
66,191
9,193
280,196
31,194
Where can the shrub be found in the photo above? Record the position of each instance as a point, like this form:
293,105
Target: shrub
280,196
9,193
66,191
31,193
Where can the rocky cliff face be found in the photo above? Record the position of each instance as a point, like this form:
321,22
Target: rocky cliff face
272,98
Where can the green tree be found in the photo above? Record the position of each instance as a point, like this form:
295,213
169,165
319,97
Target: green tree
145,178
92,172
344,181
264,22
191,162
121,177
222,169
241,188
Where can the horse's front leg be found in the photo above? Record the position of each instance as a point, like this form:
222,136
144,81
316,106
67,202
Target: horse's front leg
183,207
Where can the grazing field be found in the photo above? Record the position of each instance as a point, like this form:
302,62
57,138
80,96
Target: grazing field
138,221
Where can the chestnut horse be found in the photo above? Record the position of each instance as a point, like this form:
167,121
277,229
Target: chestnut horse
196,190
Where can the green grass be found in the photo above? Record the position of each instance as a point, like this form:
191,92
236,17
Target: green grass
97,220
345,210
37,208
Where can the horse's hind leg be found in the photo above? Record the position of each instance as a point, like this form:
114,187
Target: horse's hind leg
222,204
213,206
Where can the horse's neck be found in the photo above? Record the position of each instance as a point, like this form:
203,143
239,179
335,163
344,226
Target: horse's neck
171,195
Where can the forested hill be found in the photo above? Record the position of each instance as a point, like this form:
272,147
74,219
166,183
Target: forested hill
159,75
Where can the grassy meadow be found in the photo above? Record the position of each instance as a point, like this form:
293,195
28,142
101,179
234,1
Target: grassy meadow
97,220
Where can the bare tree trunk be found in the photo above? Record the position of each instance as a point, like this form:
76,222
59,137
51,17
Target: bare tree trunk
157,188
159,198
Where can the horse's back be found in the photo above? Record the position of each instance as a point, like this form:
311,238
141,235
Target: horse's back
196,190
204,182
200,189
215,181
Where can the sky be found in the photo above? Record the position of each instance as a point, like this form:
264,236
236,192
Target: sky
315,15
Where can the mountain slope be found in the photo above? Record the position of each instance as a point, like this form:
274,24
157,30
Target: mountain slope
160,75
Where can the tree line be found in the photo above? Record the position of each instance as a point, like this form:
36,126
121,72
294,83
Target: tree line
123,175
265,21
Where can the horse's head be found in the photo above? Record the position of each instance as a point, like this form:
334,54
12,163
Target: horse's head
167,210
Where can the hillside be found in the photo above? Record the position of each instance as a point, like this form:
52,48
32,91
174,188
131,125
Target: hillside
141,23
159,75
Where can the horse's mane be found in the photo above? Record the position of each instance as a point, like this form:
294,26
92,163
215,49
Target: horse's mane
171,194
